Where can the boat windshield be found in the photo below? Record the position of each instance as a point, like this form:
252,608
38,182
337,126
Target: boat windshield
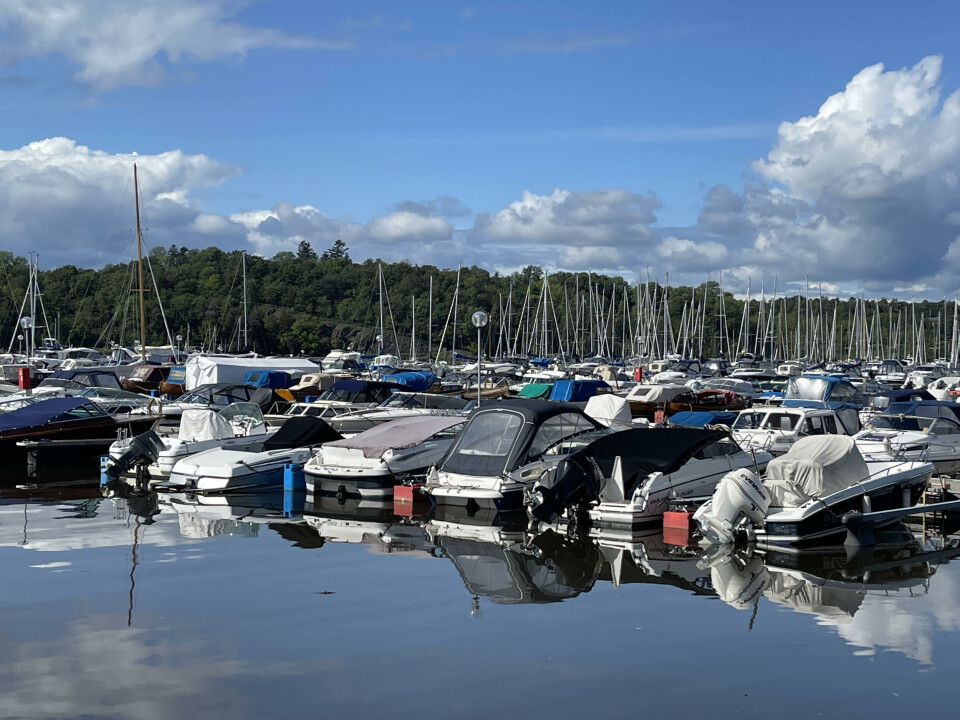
766,421
485,445
806,388
899,422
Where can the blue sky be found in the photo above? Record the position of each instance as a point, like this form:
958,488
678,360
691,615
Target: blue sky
418,129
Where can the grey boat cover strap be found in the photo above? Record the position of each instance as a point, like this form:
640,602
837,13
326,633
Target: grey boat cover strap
398,434
816,466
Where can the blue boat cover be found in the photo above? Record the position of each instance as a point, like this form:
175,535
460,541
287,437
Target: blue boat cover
702,418
39,413
416,381
274,379
576,390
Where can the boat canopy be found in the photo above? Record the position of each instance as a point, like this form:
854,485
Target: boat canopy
398,434
87,377
501,437
660,393
814,467
301,431
642,451
351,390
46,411
273,379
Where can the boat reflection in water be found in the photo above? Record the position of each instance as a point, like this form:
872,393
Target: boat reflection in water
500,562
868,595
354,519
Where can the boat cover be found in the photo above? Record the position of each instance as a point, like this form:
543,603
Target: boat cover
398,434
814,467
301,431
657,393
197,425
535,390
39,413
577,390
642,451
609,409
416,381
701,418
203,370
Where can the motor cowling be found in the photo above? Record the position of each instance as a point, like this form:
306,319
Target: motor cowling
740,494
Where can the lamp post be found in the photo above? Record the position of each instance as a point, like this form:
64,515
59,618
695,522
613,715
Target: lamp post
26,322
480,320
20,341
179,338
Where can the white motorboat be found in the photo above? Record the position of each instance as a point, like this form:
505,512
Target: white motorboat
224,470
630,477
912,437
372,462
239,426
506,447
398,406
775,429
812,496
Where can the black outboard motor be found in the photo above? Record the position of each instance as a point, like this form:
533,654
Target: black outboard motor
144,449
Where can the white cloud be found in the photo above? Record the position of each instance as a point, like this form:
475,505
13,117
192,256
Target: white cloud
691,256
75,204
864,192
116,42
401,226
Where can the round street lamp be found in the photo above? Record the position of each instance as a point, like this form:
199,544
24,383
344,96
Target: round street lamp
480,320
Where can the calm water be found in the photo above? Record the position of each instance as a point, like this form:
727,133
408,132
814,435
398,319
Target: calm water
160,608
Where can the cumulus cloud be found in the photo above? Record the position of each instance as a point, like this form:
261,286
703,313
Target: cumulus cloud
690,256
75,205
863,193
116,42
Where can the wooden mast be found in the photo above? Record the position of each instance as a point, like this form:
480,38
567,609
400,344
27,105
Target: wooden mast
141,290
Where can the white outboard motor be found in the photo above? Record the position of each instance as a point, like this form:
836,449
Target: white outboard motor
740,494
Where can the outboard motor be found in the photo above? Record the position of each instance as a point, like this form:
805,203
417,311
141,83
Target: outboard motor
144,449
739,581
739,495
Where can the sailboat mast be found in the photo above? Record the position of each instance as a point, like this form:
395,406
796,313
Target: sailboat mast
140,290
243,261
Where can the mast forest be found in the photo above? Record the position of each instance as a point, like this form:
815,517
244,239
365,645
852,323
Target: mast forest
302,303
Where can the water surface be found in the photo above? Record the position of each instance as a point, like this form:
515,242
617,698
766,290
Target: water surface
151,607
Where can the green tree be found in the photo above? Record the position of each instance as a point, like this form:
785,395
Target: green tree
305,251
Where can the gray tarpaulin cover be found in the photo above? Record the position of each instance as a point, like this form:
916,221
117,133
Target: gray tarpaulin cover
815,467
398,434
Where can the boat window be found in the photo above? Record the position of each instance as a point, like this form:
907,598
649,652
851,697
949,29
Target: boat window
728,446
81,413
556,429
830,424
898,422
708,451
814,426
781,421
842,392
490,434
748,421
944,427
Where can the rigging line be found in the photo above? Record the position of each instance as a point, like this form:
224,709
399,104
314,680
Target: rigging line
226,299
156,291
